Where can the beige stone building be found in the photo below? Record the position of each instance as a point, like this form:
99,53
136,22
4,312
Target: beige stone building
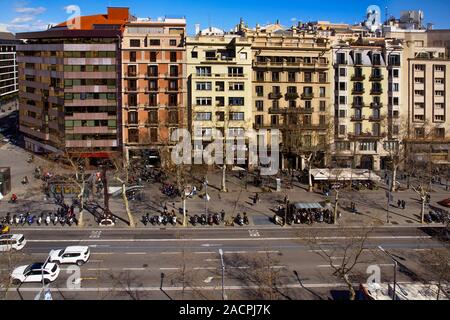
219,70
292,89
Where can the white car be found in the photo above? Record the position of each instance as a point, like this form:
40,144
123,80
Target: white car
72,255
10,242
36,272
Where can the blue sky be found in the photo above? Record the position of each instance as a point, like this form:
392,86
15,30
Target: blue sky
26,15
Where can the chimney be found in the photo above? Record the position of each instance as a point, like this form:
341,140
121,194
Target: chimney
197,29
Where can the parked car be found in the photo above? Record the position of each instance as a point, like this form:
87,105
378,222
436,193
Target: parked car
36,272
71,255
445,203
10,242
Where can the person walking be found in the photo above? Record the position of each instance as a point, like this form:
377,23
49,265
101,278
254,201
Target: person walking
222,214
403,204
399,203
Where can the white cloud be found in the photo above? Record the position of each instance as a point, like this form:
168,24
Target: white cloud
32,11
293,19
22,19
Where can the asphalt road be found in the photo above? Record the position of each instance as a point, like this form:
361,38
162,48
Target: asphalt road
127,264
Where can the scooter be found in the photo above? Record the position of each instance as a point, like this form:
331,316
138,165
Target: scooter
203,220
23,219
16,220
11,220
239,220
48,219
62,220
174,220
210,219
39,220
55,219
217,219
145,219
246,221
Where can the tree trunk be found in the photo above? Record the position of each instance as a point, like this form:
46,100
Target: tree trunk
127,206
394,179
422,212
336,204
184,211
350,287
224,180
310,178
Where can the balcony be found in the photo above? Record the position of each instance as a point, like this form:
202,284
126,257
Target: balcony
131,75
376,105
378,77
366,135
358,105
376,91
133,89
376,118
151,75
358,77
358,118
341,62
291,96
277,110
275,96
307,96
358,91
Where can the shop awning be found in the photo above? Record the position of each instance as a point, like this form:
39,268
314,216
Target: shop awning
344,175
312,205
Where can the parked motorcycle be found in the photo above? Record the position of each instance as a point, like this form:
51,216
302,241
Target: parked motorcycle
245,220
239,220
217,219
174,220
145,219
210,219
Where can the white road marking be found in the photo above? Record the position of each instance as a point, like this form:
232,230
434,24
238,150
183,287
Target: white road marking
235,252
95,234
230,239
136,253
205,268
268,251
337,266
326,250
208,280
98,269
210,260
204,252
133,269
95,261
169,268
170,253
421,249
254,233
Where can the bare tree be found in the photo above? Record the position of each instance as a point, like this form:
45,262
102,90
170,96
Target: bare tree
350,247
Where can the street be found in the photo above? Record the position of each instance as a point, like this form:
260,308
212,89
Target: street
128,264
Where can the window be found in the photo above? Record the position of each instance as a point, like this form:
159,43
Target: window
236,86
173,71
342,146
419,80
394,60
342,86
440,106
259,91
322,105
233,101
419,117
439,93
220,116
419,132
260,76
291,76
132,117
439,68
322,119
358,128
173,42
322,77
173,100
243,55
275,76
203,71
439,81
153,99
203,116
194,54
341,58
291,89
133,56
419,92
358,58
342,100
204,101
342,113
259,120
237,116
342,129
274,120
342,72
308,77
396,73
220,101
322,92
173,117
419,105
153,116
396,87
135,43
153,56
133,135
439,132
368,146
259,105
236,71
204,86
439,118
419,67
155,42
173,57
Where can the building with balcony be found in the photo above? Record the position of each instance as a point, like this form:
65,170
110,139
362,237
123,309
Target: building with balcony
363,96
154,85
425,70
219,69
292,89
70,87
9,72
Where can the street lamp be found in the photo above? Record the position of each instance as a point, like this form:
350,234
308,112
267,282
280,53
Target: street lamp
395,269
206,195
223,273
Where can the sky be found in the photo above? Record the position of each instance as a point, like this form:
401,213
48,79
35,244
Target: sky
33,15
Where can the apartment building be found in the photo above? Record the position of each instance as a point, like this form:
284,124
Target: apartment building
425,70
362,98
154,85
9,83
70,88
291,90
219,68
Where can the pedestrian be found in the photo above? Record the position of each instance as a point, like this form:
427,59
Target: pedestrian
399,203
403,204
222,213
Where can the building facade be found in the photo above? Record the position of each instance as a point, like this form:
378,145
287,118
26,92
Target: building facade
9,72
219,68
70,96
292,90
154,85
